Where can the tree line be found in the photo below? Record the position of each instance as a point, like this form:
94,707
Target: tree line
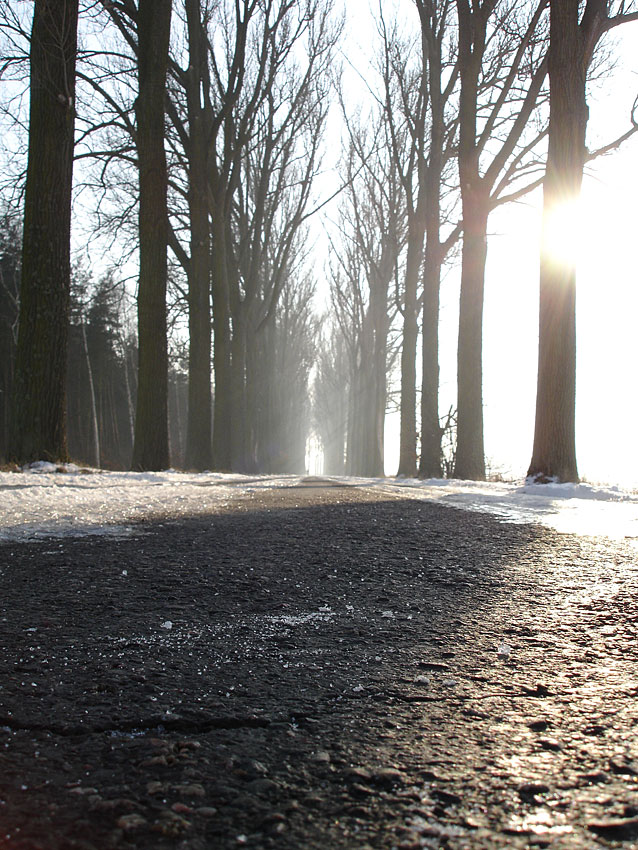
197,131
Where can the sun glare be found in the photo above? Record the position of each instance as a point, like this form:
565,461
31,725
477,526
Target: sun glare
563,232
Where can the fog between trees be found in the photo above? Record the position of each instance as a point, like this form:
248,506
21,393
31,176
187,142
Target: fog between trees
202,163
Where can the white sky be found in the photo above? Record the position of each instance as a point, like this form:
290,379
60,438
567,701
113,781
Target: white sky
41,503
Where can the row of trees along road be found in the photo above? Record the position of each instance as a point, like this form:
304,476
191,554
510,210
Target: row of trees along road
198,131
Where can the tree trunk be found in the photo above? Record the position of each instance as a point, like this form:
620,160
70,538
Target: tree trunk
150,449
39,392
368,458
333,449
95,426
239,401
430,460
470,459
199,425
222,451
352,421
554,452
367,388
130,408
470,452
254,399
407,447
379,311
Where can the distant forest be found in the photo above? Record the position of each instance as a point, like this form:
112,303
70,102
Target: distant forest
187,151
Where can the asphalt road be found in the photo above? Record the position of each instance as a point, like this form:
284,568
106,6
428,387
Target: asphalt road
319,667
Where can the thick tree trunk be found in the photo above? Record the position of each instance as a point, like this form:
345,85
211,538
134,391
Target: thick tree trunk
470,452
150,450
39,392
554,452
470,459
199,426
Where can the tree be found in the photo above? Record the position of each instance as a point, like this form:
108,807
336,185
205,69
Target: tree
38,422
150,448
371,225
242,144
572,44
330,398
269,240
502,66
255,108
79,356
419,78
212,142
442,76
278,371
199,427
407,101
260,187
97,398
10,251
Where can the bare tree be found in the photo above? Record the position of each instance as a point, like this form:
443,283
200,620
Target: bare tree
330,398
255,118
572,44
278,378
418,81
362,283
406,110
277,174
503,66
150,448
38,427
196,78
441,72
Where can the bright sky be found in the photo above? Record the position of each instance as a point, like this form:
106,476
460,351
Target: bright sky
42,503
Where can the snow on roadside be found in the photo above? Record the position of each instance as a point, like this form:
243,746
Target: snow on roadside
41,502
585,509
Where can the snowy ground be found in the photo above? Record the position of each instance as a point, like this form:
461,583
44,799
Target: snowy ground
43,502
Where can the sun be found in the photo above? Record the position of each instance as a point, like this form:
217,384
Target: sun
594,232
565,232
